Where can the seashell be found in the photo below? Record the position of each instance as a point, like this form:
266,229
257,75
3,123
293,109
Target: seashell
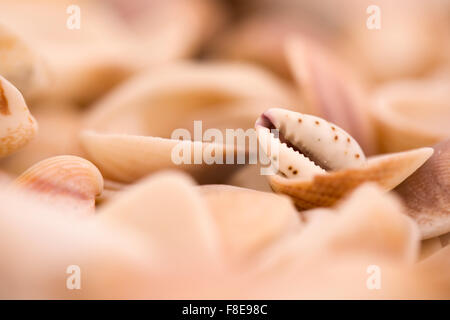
58,135
20,64
260,38
437,265
318,165
112,262
331,90
17,125
367,228
87,62
445,239
367,221
170,30
249,177
411,114
389,52
181,231
111,190
134,124
82,63
249,220
425,193
308,145
70,183
5,178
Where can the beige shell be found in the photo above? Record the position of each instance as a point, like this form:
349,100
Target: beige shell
248,220
59,126
260,38
426,193
170,214
389,52
325,190
331,90
87,62
83,63
249,177
17,125
317,163
20,64
67,182
111,189
367,230
368,221
412,114
130,130
170,30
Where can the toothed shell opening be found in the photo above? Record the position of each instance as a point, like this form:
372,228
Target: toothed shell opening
306,145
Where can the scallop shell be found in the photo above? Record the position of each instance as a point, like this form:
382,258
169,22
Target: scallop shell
130,130
426,193
249,221
411,114
70,183
331,90
310,184
17,125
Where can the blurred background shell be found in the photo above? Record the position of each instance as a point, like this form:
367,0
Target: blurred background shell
135,122
411,113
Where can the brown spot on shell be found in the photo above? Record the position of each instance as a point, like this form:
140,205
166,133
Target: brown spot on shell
333,128
357,156
290,167
336,138
4,107
300,120
295,172
348,140
317,122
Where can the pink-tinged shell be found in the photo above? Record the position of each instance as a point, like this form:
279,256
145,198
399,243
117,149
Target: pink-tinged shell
168,213
69,183
387,171
249,221
331,91
17,125
426,193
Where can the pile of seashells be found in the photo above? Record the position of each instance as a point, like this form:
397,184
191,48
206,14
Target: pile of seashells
363,151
